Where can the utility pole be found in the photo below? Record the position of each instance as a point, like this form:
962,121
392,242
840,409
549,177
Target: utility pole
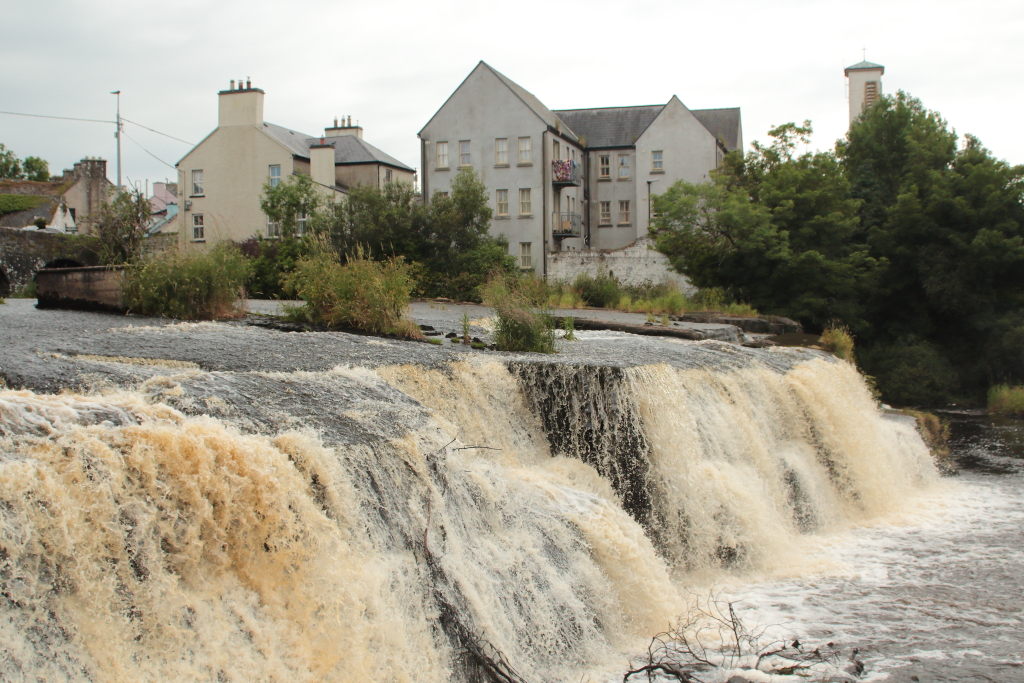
118,136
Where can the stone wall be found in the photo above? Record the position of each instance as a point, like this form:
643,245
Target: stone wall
23,252
632,265
86,289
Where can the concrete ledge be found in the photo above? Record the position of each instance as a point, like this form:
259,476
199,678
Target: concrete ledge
96,288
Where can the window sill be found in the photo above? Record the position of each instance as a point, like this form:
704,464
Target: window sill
658,172
624,225
443,168
199,240
465,165
624,179
525,163
196,195
503,217
604,225
501,166
526,215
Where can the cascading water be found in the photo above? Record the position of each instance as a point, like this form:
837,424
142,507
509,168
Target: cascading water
418,524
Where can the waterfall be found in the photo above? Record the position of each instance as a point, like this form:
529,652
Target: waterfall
418,524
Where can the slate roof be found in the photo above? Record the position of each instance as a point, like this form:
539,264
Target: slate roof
348,149
865,65
610,126
724,124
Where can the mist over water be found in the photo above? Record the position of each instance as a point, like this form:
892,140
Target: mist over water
408,524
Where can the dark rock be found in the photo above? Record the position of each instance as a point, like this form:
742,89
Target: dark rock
451,335
426,328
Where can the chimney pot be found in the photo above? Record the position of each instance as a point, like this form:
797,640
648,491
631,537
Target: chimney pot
232,84
335,121
321,141
349,120
248,83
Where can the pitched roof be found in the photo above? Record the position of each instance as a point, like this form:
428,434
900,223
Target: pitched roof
610,126
859,66
348,149
724,124
530,100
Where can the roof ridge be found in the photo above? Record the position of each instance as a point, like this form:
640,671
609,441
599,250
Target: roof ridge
627,106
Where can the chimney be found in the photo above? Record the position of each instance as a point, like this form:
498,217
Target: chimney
346,128
241,106
321,164
232,84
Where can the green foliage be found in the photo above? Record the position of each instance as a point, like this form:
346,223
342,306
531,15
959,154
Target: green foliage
188,285
520,327
271,260
296,197
35,168
448,238
363,294
11,203
911,372
465,327
569,327
838,340
31,168
120,226
601,290
913,240
28,291
1006,400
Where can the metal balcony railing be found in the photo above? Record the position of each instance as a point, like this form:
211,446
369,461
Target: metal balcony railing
567,224
566,172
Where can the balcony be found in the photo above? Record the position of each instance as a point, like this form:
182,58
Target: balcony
566,225
566,172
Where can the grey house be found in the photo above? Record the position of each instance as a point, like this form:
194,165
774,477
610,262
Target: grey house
568,179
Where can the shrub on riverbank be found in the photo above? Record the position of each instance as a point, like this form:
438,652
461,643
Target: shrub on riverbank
837,340
362,294
520,326
1004,399
187,284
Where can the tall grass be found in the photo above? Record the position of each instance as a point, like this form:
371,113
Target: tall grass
188,285
1004,399
362,294
837,339
520,326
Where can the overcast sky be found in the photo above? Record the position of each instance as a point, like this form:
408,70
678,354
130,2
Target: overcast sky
391,64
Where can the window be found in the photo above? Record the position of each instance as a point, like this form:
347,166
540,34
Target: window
623,212
440,195
275,175
501,151
525,205
554,150
273,228
623,166
605,163
198,232
606,213
442,155
387,175
656,164
464,158
501,200
197,182
525,151
526,255
300,226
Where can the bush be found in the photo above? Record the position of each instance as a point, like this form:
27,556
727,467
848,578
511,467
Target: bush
837,339
601,290
911,372
271,261
1004,399
362,294
188,285
520,327
26,292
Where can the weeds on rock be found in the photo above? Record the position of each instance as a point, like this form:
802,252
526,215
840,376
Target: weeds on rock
837,339
1004,399
520,327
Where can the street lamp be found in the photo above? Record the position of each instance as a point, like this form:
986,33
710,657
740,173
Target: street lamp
649,183
118,136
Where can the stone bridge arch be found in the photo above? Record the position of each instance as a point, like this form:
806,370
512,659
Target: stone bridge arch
23,252
5,284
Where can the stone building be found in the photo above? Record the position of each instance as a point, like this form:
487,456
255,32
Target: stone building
221,179
568,180
61,203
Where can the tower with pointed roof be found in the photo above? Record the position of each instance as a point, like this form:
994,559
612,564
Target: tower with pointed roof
865,86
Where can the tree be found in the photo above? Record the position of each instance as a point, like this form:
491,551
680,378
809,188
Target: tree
120,226
35,168
774,229
10,165
294,199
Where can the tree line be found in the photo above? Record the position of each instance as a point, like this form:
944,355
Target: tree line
904,232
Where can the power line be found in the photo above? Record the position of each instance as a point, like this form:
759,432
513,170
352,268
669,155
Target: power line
157,132
148,152
63,118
